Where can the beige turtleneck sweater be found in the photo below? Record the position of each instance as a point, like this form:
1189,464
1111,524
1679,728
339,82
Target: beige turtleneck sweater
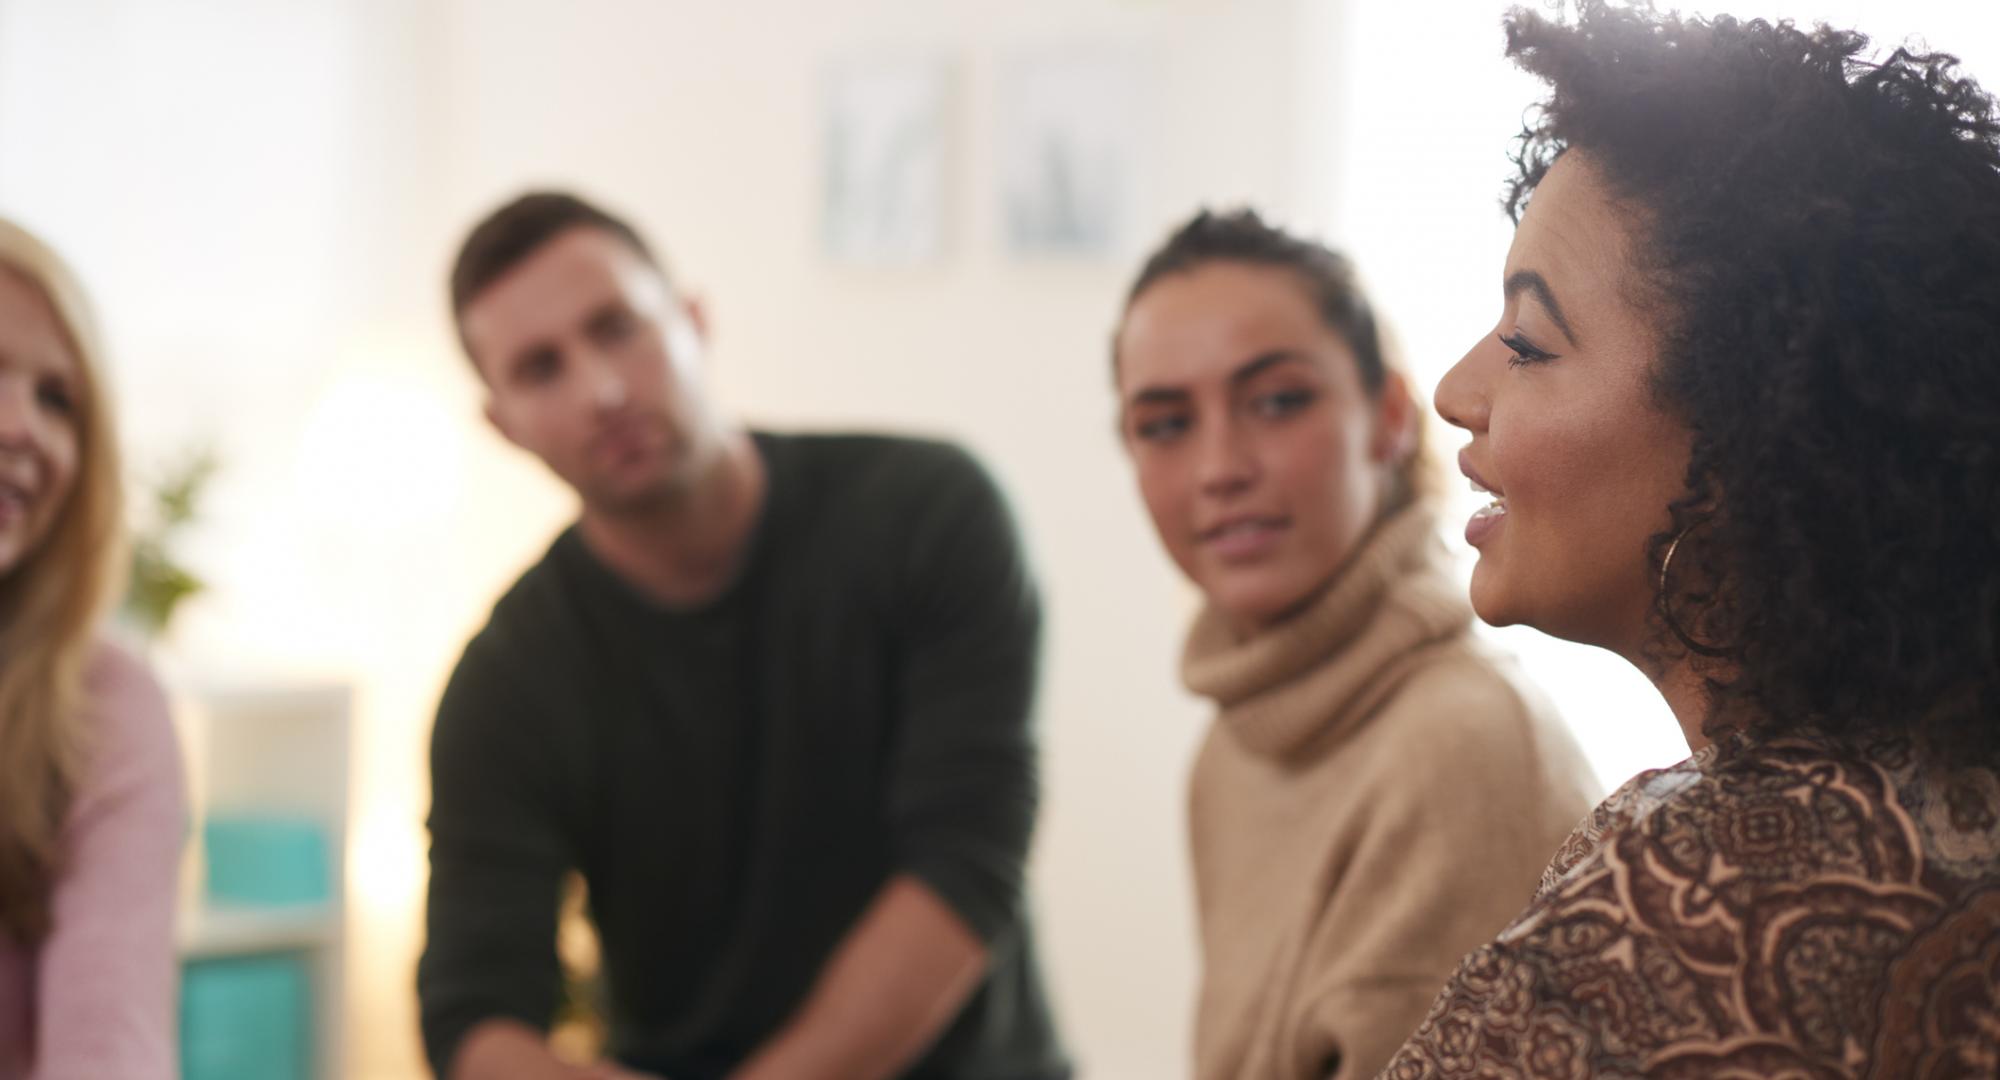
1378,796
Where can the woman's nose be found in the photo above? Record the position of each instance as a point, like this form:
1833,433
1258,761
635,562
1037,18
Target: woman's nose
1461,398
17,411
1226,463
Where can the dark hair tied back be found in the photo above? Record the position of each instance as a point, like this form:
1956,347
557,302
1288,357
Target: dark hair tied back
1327,275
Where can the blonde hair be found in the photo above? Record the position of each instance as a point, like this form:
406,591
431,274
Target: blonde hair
49,607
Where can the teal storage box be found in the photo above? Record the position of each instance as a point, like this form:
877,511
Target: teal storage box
265,860
246,1018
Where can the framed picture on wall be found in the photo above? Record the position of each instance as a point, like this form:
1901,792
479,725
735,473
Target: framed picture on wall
1068,150
885,145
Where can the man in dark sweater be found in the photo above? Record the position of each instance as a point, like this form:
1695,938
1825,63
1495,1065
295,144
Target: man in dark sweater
769,695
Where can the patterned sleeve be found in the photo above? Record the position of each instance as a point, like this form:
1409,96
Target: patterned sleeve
1499,1017
1780,916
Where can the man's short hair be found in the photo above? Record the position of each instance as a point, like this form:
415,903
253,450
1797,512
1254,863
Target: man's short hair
516,230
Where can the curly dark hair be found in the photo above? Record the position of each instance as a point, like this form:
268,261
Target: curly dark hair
1818,235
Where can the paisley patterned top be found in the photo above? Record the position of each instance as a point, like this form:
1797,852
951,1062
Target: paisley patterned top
1791,908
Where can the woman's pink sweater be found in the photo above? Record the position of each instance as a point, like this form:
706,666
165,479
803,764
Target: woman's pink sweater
96,998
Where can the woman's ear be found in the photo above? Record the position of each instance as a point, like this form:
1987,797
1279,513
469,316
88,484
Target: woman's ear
499,420
697,314
1396,421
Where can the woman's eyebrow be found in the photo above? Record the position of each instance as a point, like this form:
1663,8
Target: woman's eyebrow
1158,395
1532,281
1255,366
1263,362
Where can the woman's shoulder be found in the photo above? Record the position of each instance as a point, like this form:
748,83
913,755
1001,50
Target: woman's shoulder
1800,809
1458,682
1926,824
1781,897
1460,696
1749,816
1465,729
1631,802
120,688
129,730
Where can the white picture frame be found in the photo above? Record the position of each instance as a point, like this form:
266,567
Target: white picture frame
1069,139
885,145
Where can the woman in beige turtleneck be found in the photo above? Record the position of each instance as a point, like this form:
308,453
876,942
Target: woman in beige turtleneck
1379,793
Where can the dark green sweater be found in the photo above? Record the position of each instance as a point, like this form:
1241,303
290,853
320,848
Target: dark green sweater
735,782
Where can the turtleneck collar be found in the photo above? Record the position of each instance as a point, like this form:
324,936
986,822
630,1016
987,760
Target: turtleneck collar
1326,666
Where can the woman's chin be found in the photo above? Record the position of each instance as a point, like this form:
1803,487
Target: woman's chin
1252,605
1489,596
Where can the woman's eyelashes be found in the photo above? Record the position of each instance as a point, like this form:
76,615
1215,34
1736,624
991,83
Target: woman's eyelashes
55,396
1160,427
1281,403
1523,351
1166,427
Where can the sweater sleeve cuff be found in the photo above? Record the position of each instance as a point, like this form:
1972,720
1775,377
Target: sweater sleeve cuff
978,895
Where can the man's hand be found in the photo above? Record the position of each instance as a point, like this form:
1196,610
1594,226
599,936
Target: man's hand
605,1070
511,1050
894,983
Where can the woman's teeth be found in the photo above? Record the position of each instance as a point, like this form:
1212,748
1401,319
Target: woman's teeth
1497,506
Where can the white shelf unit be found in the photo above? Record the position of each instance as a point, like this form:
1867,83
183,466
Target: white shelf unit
273,749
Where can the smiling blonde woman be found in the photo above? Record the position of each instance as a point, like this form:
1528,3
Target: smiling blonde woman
91,800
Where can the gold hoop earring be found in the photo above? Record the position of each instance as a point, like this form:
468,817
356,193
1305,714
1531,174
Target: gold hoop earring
1668,561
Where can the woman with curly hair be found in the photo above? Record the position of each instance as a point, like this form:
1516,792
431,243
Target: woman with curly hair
1379,791
1741,424
91,802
